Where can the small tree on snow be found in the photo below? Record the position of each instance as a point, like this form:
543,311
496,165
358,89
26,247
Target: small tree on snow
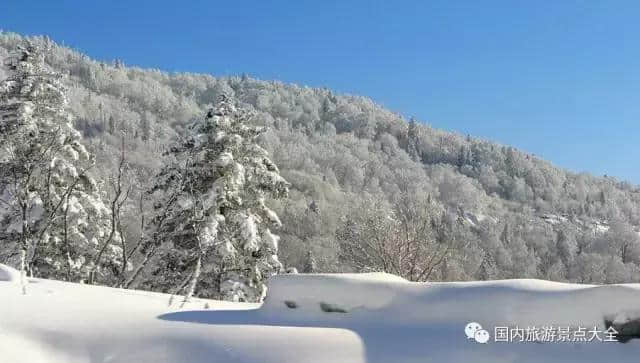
212,227
52,220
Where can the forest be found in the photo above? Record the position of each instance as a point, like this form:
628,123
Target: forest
353,187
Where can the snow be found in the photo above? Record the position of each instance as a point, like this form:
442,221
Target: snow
9,274
554,218
371,318
601,227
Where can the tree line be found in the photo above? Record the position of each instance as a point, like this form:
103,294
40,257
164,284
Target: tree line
369,189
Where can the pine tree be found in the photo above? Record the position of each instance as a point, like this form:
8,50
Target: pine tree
52,219
111,125
212,228
310,263
505,236
145,127
413,138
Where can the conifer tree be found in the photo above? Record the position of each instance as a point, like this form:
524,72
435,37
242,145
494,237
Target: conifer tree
53,222
212,228
310,265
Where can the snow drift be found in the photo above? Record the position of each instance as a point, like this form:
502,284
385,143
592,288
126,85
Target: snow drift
9,274
524,302
311,318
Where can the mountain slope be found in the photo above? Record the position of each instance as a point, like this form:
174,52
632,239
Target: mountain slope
341,152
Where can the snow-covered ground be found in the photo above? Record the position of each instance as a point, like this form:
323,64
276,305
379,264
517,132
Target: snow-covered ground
312,318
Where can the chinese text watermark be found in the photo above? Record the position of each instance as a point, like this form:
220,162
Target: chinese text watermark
542,334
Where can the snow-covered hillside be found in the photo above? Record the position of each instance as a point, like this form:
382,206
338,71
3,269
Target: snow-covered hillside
313,318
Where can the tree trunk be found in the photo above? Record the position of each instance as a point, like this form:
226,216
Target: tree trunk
194,280
23,273
23,249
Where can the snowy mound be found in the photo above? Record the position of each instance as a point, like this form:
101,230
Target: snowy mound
8,273
320,292
495,303
368,318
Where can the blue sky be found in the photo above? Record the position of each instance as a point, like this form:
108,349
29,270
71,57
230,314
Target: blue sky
560,79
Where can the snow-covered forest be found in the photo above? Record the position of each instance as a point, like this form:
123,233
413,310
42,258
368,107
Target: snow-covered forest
349,186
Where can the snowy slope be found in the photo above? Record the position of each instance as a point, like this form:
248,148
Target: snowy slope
9,274
310,318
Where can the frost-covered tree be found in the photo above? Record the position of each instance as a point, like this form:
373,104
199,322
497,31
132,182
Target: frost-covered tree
212,229
53,222
310,265
407,238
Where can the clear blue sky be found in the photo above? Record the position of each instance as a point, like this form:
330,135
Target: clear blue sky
560,79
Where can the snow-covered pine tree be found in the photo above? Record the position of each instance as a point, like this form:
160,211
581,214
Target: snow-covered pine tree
53,222
212,227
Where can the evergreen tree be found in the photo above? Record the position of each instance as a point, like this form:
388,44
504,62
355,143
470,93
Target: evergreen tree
463,156
505,236
310,263
145,127
111,125
212,227
566,245
52,219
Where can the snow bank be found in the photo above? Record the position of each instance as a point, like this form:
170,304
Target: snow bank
312,292
495,303
59,322
400,321
372,318
9,274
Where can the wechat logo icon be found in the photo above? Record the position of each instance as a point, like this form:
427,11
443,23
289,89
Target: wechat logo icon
474,331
